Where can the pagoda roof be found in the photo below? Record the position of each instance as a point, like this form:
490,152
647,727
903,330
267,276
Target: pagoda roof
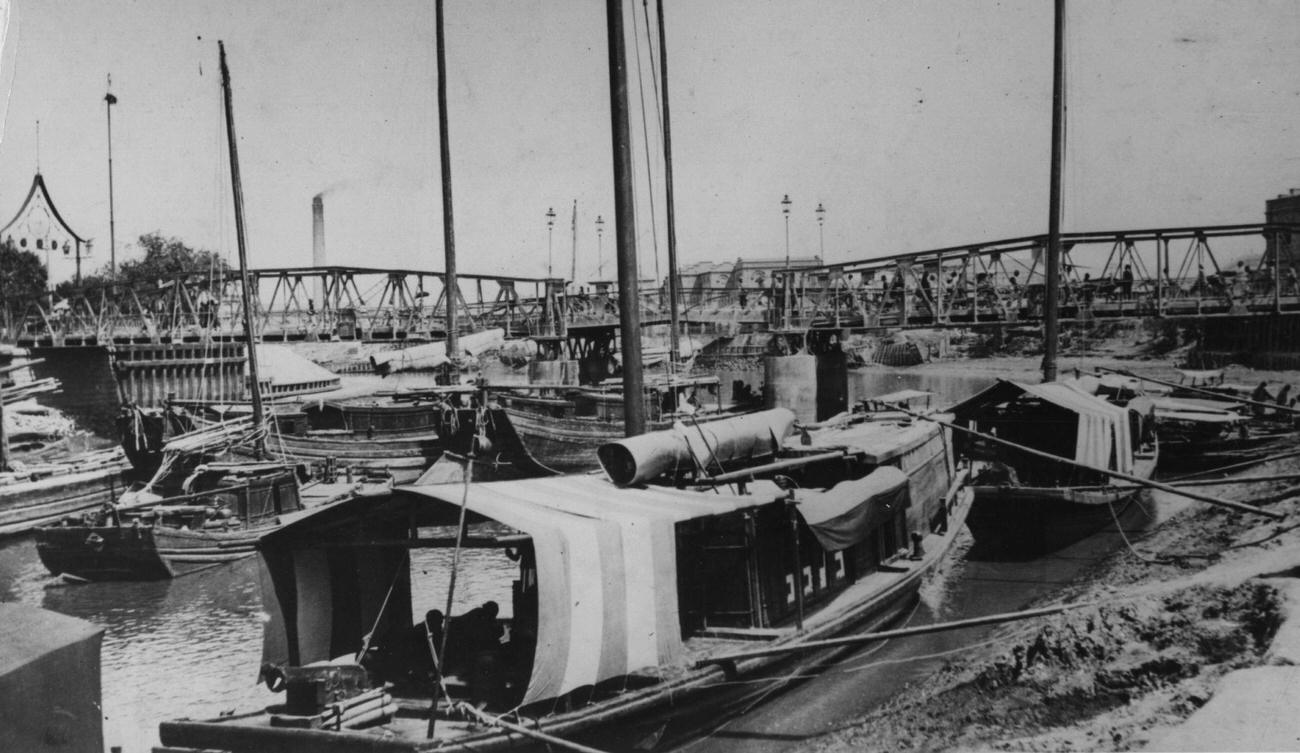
38,184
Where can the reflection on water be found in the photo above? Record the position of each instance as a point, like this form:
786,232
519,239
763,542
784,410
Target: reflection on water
191,647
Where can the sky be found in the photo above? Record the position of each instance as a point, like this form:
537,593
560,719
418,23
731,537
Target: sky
915,124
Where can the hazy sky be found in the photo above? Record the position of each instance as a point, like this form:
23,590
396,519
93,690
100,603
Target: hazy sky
917,124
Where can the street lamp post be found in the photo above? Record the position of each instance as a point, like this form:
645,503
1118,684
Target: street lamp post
821,230
785,293
600,238
111,100
550,228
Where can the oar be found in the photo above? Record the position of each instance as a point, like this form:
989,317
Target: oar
1105,471
522,730
1208,481
1238,466
853,640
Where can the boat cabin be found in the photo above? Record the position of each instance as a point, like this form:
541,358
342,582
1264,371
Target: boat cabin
569,589
1057,418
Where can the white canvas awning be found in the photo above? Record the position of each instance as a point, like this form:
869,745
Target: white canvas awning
606,569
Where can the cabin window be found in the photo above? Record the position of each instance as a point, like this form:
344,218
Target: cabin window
40,243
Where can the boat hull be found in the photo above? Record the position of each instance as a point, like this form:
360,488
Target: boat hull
1021,522
648,717
102,553
405,457
27,505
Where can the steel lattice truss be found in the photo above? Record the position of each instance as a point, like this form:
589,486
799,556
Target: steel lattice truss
1166,272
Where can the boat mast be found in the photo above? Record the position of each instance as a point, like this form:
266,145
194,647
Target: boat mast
625,231
674,346
1051,327
451,288
245,284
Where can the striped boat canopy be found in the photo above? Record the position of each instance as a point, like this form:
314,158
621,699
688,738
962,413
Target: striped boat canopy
606,571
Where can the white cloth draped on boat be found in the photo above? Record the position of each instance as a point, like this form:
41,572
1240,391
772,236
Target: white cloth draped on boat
606,569
850,511
1103,434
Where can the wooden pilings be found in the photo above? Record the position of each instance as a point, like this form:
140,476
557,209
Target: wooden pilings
148,374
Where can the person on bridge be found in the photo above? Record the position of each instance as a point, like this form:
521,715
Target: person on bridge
1126,283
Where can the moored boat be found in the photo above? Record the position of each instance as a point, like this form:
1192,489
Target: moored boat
561,428
1026,505
40,493
218,520
624,607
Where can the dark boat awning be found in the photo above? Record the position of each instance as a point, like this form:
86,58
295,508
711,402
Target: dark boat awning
1103,429
851,511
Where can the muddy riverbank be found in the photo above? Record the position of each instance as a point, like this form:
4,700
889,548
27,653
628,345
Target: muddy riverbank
1171,615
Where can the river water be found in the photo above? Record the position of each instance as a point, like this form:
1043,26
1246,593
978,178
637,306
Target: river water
191,647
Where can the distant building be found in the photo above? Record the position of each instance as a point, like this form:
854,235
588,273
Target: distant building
1284,209
703,281
38,227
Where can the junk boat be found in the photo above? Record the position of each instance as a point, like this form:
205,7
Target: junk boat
1026,505
196,512
401,434
622,606
562,427
41,480
39,493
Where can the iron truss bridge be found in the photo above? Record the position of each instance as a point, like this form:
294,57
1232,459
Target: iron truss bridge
1174,273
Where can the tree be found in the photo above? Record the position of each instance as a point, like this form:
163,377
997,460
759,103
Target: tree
164,260
22,276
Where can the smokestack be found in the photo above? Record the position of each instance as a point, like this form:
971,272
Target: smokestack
318,244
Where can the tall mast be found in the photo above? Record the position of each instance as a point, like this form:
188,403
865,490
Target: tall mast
245,284
625,231
1051,333
109,101
674,347
451,288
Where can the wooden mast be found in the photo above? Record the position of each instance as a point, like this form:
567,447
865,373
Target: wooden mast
4,436
674,346
451,288
625,230
245,284
1051,306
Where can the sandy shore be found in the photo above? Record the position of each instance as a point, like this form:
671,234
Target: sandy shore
1157,661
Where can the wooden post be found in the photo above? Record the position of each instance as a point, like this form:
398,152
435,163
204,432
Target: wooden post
625,230
674,282
4,437
798,563
245,280
450,285
1051,305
